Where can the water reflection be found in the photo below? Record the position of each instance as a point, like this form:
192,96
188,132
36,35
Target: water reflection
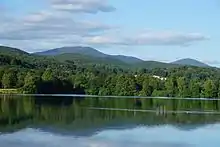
89,112
88,122
37,138
165,136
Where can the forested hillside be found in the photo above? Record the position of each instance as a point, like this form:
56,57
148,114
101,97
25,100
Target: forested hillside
189,61
39,74
88,51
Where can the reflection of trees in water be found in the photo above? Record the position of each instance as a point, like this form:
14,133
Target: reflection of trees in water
14,112
75,113
53,101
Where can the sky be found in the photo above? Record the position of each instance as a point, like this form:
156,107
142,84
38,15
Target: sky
161,30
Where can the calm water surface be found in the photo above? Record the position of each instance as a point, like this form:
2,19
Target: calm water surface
108,122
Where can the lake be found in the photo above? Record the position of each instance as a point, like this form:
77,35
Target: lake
69,121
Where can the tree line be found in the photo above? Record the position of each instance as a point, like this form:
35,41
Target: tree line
100,82
38,74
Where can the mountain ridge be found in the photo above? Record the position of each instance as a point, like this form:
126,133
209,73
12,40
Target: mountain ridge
191,62
12,50
88,51
92,52
89,54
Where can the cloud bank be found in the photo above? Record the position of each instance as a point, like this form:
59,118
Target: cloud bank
85,6
63,24
150,38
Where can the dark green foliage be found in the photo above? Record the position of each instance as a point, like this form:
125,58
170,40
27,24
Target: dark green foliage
88,60
1,75
108,87
182,85
20,78
9,79
97,76
55,87
194,88
171,86
160,93
32,81
48,75
147,86
209,89
125,85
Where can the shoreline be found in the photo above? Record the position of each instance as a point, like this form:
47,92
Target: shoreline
107,96
9,91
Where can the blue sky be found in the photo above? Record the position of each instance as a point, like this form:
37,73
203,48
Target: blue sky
148,29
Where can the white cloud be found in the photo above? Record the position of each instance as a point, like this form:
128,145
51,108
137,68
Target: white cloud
47,29
212,62
168,38
38,17
58,26
45,25
150,38
102,40
53,24
85,6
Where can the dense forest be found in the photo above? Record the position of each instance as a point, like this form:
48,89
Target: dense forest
28,73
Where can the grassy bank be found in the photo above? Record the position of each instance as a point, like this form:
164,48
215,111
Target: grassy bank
9,91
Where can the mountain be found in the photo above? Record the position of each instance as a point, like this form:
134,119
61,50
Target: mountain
190,62
89,55
86,56
155,64
11,51
18,58
127,59
77,49
85,59
88,51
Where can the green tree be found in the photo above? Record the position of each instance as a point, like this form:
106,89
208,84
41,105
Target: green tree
171,86
20,79
48,75
80,80
147,88
125,85
194,88
94,84
209,89
9,79
109,84
182,87
32,81
1,75
160,93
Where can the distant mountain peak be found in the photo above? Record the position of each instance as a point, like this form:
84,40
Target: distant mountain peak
88,51
94,53
190,62
11,50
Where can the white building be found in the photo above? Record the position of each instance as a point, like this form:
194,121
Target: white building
161,78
